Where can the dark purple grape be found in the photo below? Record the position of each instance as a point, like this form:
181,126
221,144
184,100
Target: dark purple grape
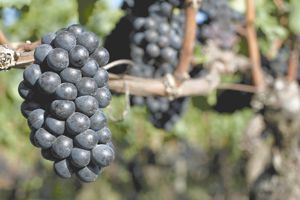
36,119
48,155
152,50
58,59
48,82
138,23
103,155
98,120
41,52
65,40
138,38
32,139
43,138
76,29
101,77
66,91
25,92
77,123
62,109
89,40
151,36
90,68
104,135
63,169
149,23
31,74
62,147
80,157
103,96
28,106
87,139
163,41
101,55
71,75
86,105
168,54
48,38
86,86
55,126
89,173
78,56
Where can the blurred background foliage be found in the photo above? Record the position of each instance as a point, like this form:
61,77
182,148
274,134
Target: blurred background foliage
199,159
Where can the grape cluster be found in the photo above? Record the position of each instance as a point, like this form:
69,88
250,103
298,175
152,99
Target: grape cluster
218,22
65,91
155,44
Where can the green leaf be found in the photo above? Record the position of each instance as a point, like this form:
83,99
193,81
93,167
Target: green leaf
294,22
85,10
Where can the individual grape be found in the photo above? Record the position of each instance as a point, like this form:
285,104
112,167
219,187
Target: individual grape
164,29
48,82
176,42
41,52
58,59
43,138
66,91
153,50
86,86
62,109
48,38
78,56
138,38
168,54
71,75
104,135
76,29
166,8
90,68
55,126
98,120
103,155
62,147
103,96
101,77
101,55
25,92
31,74
36,118
89,40
89,173
77,123
137,52
28,106
138,23
86,105
63,169
149,23
151,36
32,139
80,157
65,40
163,41
48,155
87,139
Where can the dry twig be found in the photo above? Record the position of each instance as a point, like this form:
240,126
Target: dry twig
257,73
186,53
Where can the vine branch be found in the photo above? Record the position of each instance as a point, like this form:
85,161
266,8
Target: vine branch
257,73
186,52
293,63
